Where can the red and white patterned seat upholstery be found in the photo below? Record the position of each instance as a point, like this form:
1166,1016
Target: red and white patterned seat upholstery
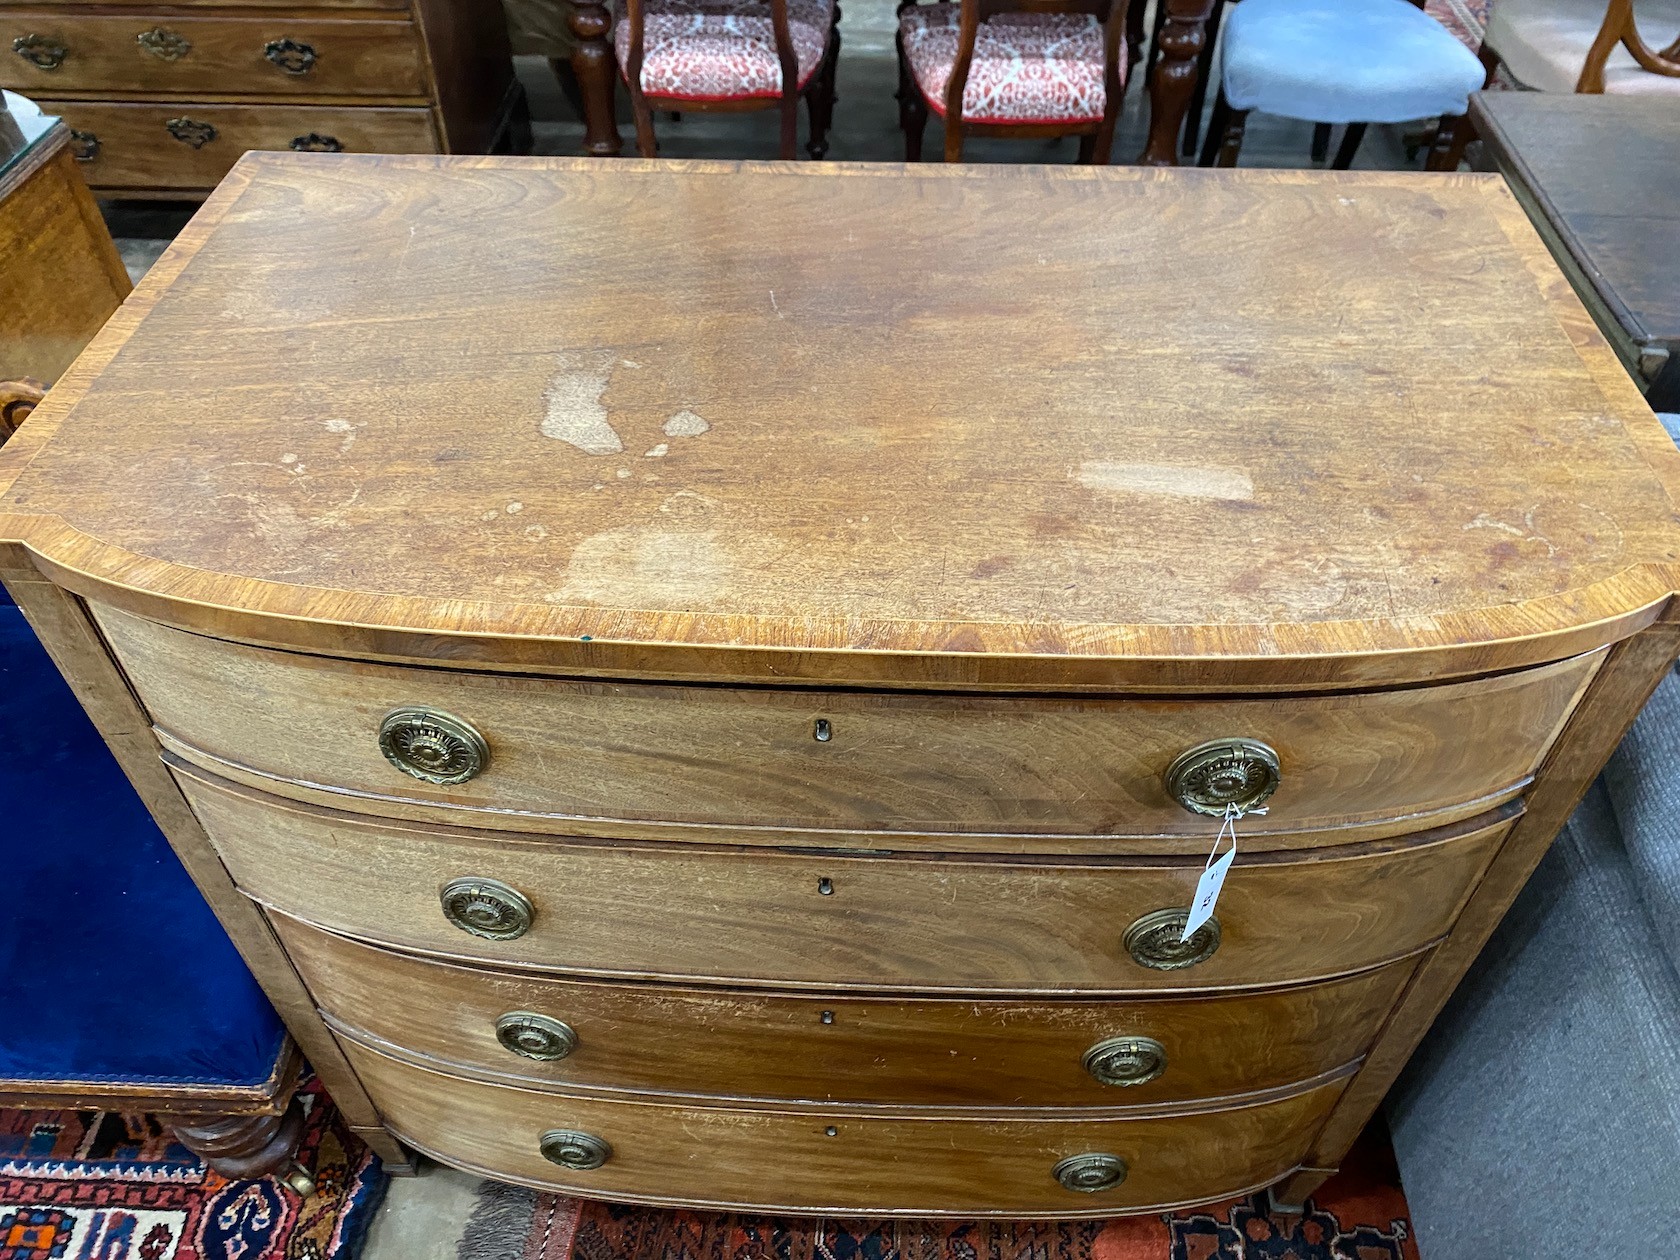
1027,67
721,50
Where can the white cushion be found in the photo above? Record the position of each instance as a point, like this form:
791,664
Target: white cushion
1344,61
1544,43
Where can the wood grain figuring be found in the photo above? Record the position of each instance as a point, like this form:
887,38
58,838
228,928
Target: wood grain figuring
970,924
871,1165
355,55
63,276
137,150
573,756
836,1047
1358,488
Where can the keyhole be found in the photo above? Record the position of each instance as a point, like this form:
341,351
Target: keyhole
828,1017
825,886
831,1131
823,731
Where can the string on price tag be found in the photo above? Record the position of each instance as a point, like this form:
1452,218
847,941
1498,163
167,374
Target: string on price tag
1213,874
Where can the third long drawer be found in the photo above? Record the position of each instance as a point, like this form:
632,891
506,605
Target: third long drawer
616,1038
802,919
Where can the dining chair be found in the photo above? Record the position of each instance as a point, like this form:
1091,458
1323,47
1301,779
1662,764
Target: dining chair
1013,68
1586,45
731,55
1353,62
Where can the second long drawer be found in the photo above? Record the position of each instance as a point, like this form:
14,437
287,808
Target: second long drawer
798,919
618,1038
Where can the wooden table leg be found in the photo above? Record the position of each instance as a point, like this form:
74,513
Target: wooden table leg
596,69
1175,78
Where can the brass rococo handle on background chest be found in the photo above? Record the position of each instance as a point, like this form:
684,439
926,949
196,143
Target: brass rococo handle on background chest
290,55
1090,1173
41,51
164,44
1126,1060
433,746
191,131
1153,942
487,908
84,145
534,1036
315,142
571,1149
1222,774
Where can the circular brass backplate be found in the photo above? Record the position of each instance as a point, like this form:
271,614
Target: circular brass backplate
1090,1173
535,1036
1153,941
433,746
487,908
1126,1060
571,1149
1213,777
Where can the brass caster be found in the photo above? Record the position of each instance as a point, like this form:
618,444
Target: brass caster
298,1178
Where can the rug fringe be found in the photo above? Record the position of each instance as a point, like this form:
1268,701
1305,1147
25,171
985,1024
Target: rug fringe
499,1223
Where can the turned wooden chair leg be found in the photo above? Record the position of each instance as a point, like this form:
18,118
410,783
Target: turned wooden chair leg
1352,137
821,96
953,140
1320,141
243,1147
1452,137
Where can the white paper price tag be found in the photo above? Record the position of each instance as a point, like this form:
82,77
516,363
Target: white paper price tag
1213,874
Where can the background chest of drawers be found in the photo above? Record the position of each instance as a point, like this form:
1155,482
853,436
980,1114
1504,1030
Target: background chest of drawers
626,785
164,98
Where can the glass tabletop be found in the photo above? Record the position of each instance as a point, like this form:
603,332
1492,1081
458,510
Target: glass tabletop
22,127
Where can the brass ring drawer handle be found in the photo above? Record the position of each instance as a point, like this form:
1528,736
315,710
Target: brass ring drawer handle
1214,777
1126,1060
41,51
164,44
1090,1173
1153,941
315,142
487,908
433,746
574,1150
534,1036
290,55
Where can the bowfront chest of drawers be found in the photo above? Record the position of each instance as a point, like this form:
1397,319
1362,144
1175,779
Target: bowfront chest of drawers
716,685
162,98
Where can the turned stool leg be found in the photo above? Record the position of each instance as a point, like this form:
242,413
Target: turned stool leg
242,1147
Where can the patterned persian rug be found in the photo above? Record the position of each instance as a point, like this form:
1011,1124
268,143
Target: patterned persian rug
99,1185
1360,1214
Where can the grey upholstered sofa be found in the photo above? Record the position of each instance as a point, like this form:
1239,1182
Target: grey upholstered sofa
1541,1118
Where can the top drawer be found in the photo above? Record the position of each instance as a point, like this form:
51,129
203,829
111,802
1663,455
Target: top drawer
1006,773
46,53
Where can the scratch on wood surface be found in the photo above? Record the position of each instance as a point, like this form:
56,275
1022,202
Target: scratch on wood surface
575,413
1180,481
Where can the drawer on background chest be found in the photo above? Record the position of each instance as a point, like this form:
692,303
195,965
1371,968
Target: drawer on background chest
899,1164
639,909
598,758
44,52
123,145
555,1033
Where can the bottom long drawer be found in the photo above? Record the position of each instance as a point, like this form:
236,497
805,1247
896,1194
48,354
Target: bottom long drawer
829,1161
189,148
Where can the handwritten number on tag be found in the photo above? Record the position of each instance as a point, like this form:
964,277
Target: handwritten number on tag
1213,874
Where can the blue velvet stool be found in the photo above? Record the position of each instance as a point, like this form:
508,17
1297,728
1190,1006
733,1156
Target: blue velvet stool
118,988
1341,61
